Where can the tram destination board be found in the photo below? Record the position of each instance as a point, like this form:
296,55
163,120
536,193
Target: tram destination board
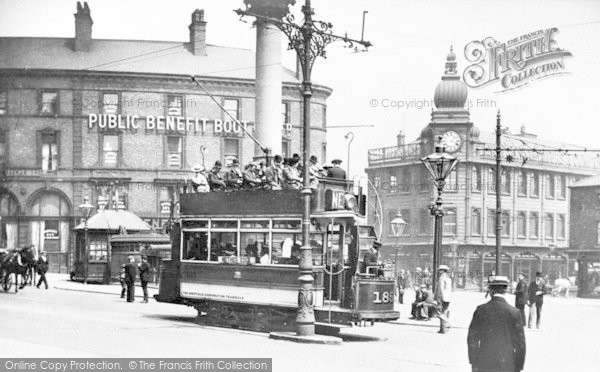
283,202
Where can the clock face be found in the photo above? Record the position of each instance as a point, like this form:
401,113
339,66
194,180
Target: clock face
451,141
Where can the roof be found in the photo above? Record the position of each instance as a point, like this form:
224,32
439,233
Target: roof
141,238
113,220
587,182
133,56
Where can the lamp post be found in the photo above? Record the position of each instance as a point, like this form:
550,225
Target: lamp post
351,136
86,209
398,226
439,164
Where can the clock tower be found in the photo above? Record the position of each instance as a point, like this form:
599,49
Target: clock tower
450,123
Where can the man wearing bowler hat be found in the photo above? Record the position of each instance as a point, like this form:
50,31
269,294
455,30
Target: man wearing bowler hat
234,177
336,171
496,339
215,178
371,258
536,291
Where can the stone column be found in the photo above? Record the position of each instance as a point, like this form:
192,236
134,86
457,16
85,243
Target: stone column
268,119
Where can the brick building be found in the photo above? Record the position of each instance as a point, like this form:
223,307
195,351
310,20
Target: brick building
122,122
535,194
584,242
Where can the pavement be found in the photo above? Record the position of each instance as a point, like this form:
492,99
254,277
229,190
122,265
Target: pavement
62,282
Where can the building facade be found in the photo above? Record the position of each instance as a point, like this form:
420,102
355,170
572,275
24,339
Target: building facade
534,195
584,242
122,122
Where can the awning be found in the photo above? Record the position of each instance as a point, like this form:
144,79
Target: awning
113,220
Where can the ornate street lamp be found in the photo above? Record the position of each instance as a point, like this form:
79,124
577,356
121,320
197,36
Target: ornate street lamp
439,164
86,209
398,226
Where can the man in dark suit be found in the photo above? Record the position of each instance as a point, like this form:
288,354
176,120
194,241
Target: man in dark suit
145,272
536,291
521,297
496,338
130,274
42,268
336,171
371,258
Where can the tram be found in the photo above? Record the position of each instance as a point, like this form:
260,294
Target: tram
235,259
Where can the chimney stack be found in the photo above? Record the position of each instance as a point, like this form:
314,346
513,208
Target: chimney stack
198,33
83,28
401,138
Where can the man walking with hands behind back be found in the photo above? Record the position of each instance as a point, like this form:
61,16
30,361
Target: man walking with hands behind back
496,338
130,274
536,299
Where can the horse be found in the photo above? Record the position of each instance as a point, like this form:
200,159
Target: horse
561,285
17,262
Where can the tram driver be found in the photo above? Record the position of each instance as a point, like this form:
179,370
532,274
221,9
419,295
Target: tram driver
371,260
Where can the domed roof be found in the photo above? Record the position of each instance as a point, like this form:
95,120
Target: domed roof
451,92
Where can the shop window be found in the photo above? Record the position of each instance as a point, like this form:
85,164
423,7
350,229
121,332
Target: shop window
232,106
110,103
522,186
3,151
550,186
475,221
166,196
231,150
285,112
476,178
49,104
174,152
110,150
534,225
535,184
3,102
549,226
449,221
49,151
560,226
521,224
98,251
174,105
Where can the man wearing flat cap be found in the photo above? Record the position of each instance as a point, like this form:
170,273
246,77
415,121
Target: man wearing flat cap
335,171
521,296
130,275
496,339
442,295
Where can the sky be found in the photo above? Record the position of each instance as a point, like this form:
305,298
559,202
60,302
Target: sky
411,40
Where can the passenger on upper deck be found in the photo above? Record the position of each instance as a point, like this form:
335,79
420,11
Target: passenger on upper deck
299,160
315,172
251,179
291,175
234,178
336,171
274,174
215,178
200,183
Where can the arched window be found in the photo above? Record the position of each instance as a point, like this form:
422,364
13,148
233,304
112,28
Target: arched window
535,184
476,221
9,210
522,183
521,224
549,226
476,178
49,227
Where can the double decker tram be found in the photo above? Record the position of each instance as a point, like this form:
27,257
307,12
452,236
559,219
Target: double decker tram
235,259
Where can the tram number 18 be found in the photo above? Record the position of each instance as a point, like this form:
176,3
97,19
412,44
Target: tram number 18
383,297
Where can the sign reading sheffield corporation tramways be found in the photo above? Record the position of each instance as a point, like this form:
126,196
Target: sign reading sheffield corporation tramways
516,62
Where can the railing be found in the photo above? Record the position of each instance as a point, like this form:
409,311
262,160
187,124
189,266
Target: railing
405,152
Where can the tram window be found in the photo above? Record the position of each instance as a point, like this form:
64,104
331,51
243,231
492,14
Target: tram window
249,224
287,224
224,224
195,246
316,243
333,249
254,246
286,248
195,224
223,244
